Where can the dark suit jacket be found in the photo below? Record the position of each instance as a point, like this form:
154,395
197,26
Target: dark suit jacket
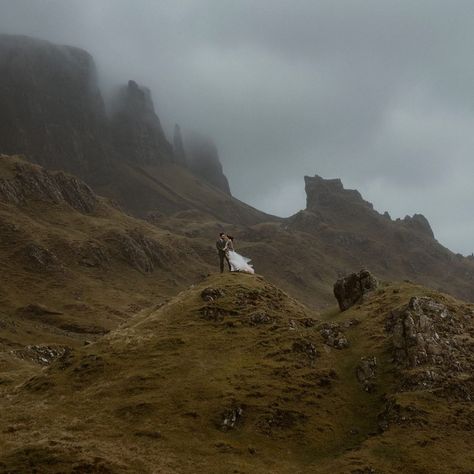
220,245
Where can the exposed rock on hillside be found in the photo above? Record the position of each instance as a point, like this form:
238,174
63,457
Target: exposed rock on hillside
268,396
203,160
350,289
137,132
25,182
366,372
63,247
139,250
435,343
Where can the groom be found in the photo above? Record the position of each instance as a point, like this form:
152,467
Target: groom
220,245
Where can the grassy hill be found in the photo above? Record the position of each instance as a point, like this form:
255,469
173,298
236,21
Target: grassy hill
74,266
233,375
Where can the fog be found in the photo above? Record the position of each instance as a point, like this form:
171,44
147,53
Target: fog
378,93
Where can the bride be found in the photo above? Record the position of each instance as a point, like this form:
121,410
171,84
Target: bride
237,262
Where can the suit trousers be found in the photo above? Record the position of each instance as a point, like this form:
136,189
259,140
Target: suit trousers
222,257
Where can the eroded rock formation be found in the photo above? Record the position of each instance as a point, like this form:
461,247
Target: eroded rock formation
35,183
350,289
419,223
434,344
330,193
137,131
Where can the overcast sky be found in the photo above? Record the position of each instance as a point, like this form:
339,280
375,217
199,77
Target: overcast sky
378,93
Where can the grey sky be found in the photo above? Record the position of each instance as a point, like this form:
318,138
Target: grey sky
378,93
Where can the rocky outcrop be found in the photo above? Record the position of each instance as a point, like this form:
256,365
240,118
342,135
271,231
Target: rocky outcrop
203,160
212,294
334,336
231,418
52,110
434,344
138,250
31,183
41,354
330,193
137,132
350,289
419,223
415,339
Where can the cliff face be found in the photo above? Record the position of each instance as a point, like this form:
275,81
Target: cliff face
52,110
137,132
178,146
331,196
204,161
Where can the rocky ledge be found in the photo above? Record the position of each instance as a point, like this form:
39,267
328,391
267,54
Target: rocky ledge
28,182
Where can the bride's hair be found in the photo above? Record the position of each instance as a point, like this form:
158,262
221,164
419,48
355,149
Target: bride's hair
230,237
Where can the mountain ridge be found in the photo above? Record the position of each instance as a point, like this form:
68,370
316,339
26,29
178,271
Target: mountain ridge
123,350
338,232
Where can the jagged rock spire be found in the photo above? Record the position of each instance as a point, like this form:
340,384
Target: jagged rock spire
138,134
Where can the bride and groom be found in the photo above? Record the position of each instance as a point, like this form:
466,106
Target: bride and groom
235,261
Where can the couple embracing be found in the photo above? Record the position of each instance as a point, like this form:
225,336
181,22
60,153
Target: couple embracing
235,261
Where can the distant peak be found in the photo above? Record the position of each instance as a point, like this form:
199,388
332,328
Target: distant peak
321,192
420,223
137,131
132,84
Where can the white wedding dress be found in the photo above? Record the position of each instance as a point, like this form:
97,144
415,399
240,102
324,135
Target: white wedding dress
239,263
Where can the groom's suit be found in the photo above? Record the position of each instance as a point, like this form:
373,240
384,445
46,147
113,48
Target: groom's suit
220,245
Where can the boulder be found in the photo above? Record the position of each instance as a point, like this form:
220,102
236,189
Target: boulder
349,290
260,317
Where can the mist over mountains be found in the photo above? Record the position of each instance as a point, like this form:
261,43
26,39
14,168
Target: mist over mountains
124,347
378,96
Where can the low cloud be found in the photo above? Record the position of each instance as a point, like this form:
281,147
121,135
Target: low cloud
376,93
